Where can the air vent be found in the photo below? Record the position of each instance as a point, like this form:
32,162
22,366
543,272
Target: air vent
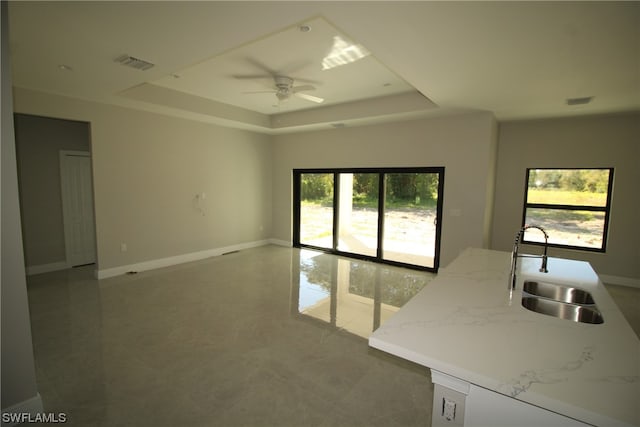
579,101
132,62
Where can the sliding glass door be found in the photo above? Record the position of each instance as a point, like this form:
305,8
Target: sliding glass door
410,218
315,203
358,213
389,215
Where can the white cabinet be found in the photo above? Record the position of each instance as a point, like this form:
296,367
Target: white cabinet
478,407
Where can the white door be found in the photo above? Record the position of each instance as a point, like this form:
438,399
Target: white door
77,207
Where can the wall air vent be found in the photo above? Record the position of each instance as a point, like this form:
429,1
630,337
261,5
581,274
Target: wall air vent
132,62
579,101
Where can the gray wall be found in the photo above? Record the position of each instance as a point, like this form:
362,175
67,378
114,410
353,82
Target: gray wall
18,369
581,142
464,144
38,144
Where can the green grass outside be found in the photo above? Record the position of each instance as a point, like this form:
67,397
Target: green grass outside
564,197
373,203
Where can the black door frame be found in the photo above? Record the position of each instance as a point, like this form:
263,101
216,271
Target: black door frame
297,173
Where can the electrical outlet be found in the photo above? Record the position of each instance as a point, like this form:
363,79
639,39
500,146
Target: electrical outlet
448,409
448,406
123,247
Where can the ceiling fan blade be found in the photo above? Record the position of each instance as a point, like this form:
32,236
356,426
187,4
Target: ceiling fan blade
259,91
296,66
261,66
309,98
310,81
302,88
252,76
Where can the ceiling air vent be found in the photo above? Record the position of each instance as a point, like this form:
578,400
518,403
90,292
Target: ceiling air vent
579,101
132,62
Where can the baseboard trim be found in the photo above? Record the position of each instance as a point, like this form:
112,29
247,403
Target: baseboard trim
621,281
31,406
174,260
46,268
279,242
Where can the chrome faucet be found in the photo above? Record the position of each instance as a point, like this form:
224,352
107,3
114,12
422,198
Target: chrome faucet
515,256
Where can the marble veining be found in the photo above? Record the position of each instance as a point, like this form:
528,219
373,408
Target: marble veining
618,379
546,376
461,316
467,324
477,274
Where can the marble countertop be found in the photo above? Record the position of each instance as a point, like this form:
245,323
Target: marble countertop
467,324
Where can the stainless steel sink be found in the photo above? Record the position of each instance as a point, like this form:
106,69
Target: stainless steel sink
560,293
561,310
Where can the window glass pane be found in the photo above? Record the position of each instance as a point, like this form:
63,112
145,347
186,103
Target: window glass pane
566,227
358,213
347,215
316,209
581,187
410,218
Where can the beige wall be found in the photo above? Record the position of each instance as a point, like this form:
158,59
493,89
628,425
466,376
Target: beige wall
597,141
18,389
38,143
463,144
148,169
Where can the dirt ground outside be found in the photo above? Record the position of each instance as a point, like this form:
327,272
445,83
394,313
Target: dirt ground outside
570,232
412,230
409,234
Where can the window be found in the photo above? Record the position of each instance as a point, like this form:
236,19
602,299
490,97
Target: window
572,205
388,215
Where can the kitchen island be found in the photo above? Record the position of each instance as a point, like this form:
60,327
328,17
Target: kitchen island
511,365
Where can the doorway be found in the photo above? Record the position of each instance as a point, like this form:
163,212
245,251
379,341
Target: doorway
39,141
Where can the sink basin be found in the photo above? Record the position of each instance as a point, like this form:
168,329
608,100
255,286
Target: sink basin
561,310
560,293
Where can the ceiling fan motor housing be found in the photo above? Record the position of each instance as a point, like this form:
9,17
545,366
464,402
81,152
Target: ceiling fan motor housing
283,82
284,85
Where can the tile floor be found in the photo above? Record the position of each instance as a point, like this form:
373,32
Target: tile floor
269,336
253,338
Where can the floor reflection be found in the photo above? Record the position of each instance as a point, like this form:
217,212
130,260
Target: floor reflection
353,295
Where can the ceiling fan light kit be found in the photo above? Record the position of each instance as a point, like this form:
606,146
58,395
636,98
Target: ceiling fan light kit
284,88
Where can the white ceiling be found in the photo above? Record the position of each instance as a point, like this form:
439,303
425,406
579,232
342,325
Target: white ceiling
227,77
517,60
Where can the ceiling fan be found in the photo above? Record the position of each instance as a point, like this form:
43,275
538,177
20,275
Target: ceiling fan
284,89
283,85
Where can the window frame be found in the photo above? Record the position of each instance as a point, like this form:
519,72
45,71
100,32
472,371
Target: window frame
606,209
382,171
